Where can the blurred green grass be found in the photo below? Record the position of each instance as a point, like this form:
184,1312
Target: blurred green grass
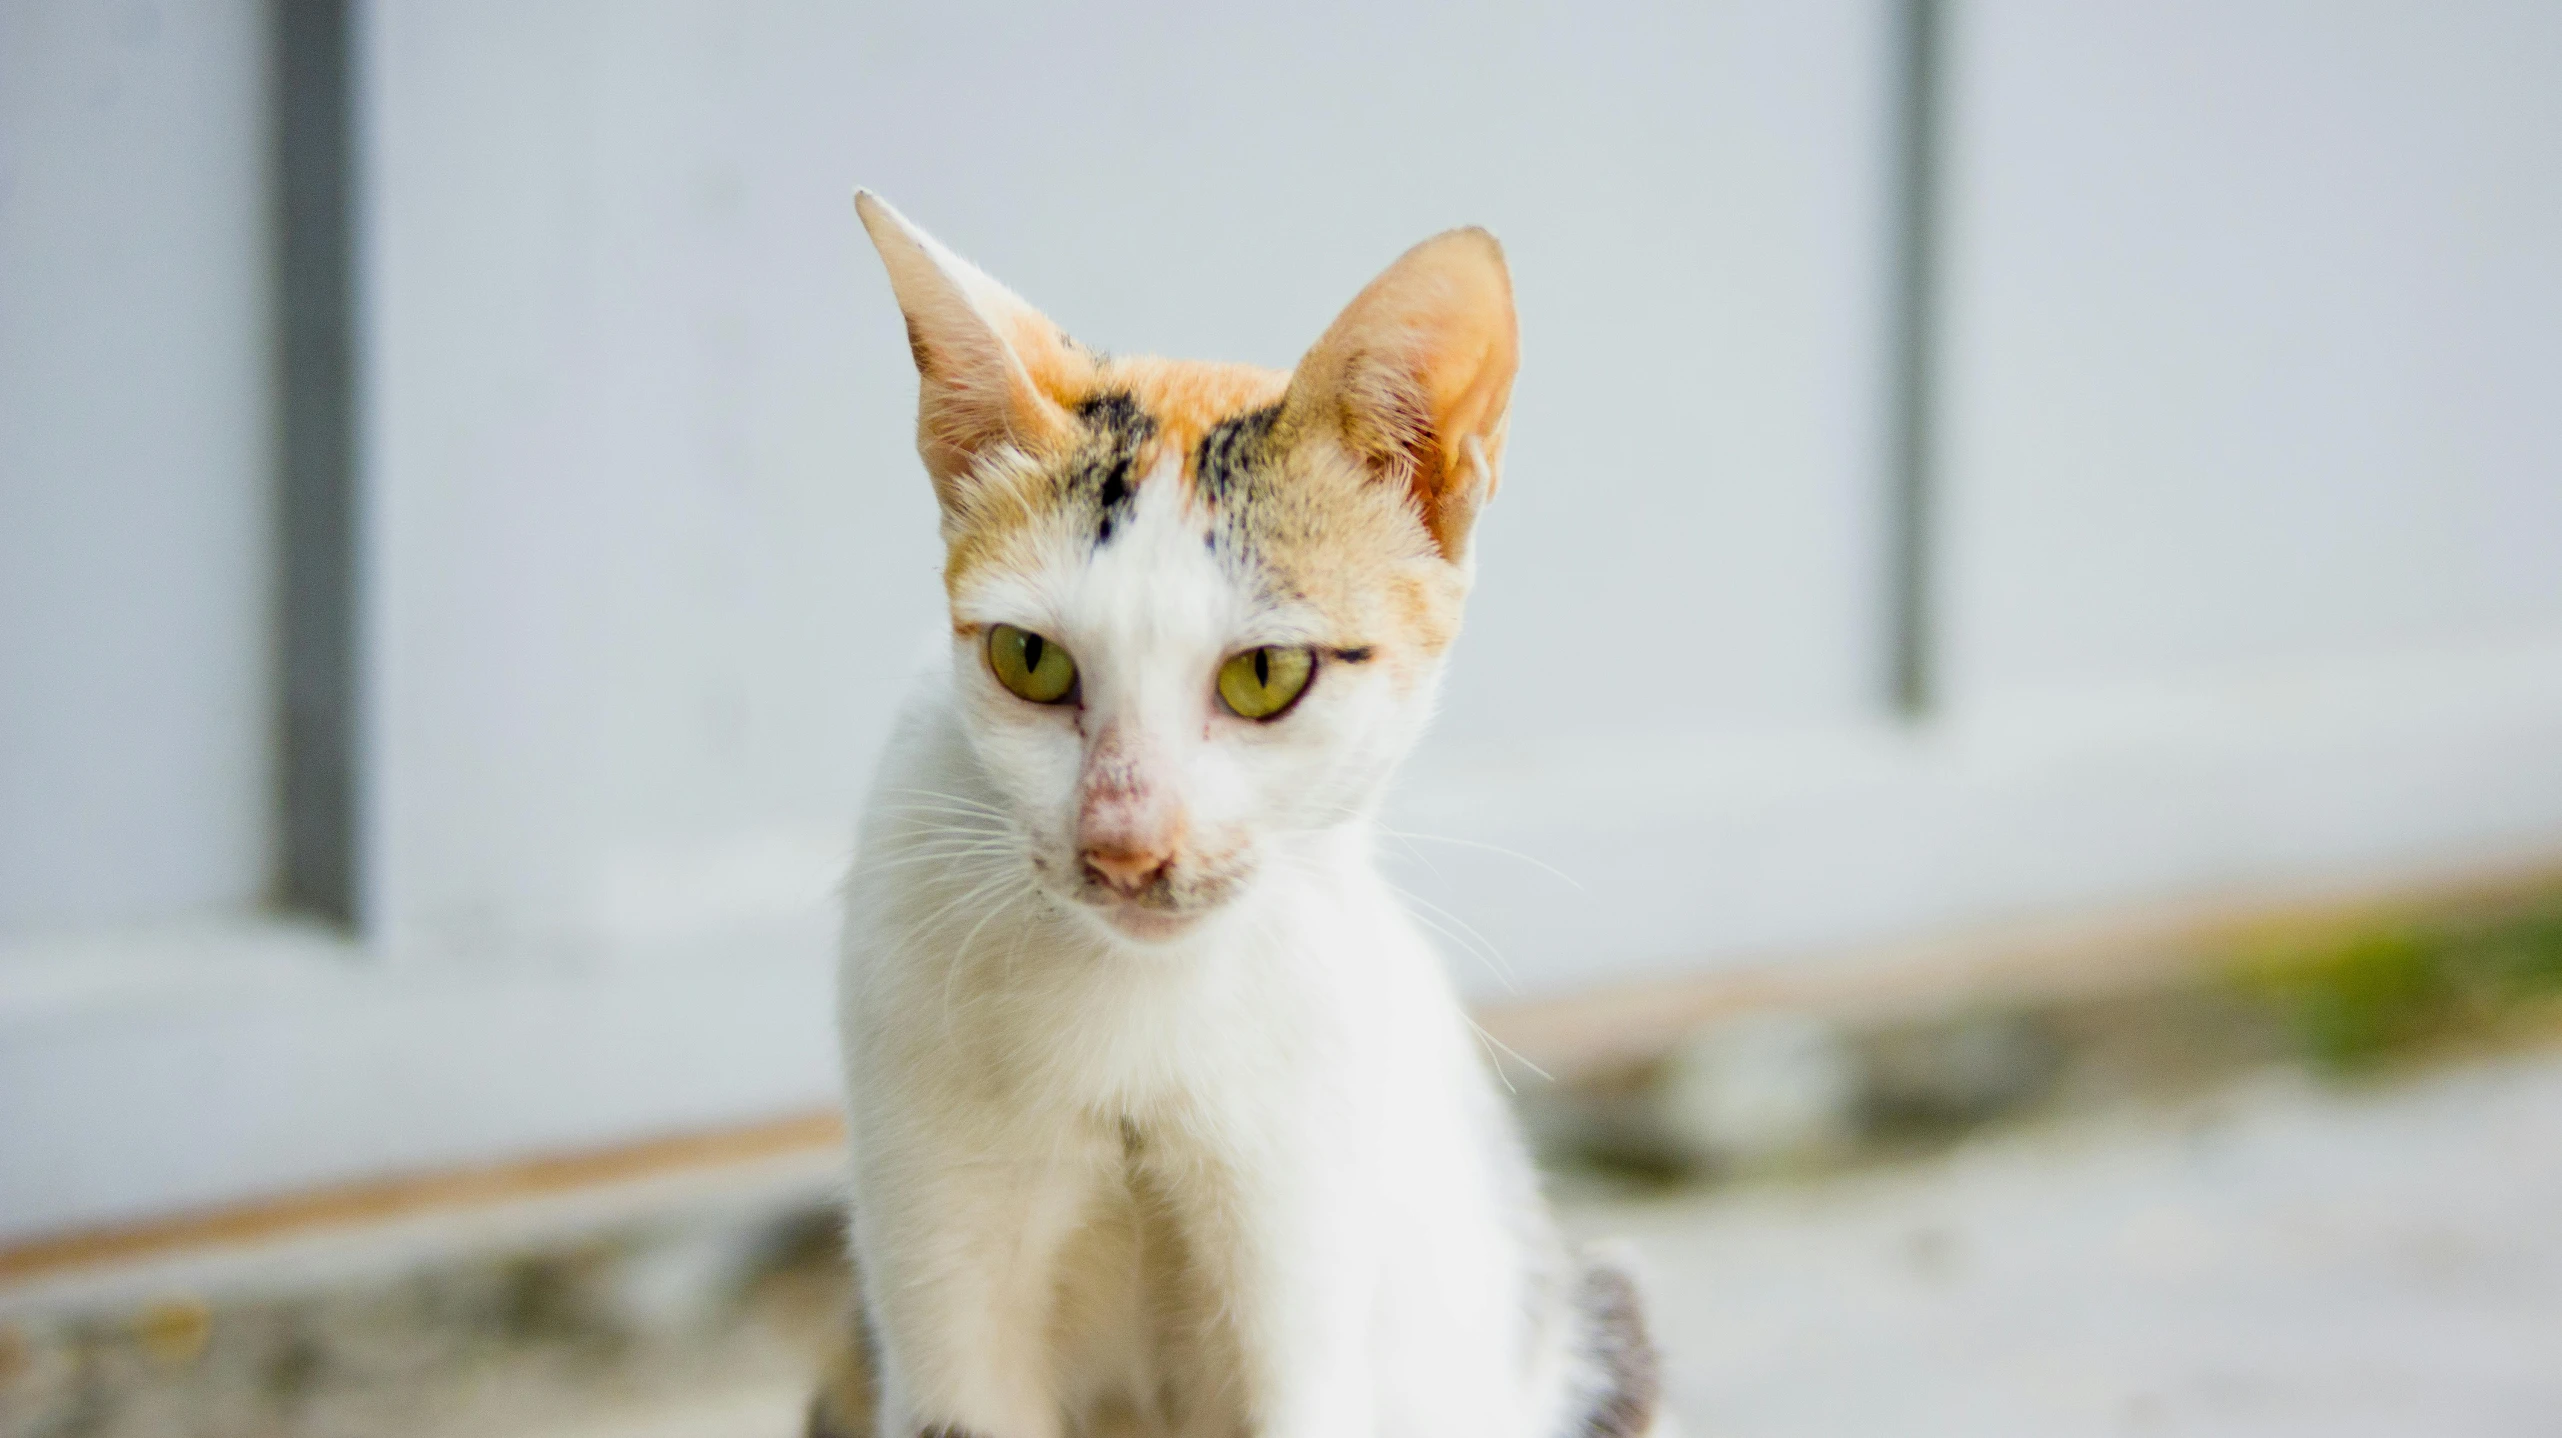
2358,996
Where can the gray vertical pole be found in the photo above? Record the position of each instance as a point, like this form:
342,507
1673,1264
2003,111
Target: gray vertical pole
1914,295
312,63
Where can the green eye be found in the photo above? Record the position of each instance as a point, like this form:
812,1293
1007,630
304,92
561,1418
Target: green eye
1036,668
1260,683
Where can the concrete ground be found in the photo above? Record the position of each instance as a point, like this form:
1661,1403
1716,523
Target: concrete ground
2278,1259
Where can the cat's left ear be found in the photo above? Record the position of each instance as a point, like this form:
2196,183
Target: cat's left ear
1415,379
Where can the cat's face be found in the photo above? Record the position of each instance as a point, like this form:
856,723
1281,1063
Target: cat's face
1200,611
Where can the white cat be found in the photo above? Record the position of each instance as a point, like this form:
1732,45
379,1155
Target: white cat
1165,1118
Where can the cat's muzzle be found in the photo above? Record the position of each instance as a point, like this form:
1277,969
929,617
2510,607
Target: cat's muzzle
1161,902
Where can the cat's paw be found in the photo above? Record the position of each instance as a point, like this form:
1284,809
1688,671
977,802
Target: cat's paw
1629,1374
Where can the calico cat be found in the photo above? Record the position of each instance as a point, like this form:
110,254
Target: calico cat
1165,1118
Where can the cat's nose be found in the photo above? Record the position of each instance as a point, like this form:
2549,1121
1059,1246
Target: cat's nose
1126,870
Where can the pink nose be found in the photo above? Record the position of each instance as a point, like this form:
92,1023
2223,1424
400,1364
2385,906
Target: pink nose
1127,870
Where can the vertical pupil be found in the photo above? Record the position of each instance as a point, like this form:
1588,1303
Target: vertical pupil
1263,667
1032,647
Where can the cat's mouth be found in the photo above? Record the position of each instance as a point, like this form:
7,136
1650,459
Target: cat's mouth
1174,904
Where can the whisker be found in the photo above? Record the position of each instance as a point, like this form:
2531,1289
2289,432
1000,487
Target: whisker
1489,848
961,956
1476,945
913,830
1464,947
945,838
972,888
959,962
1464,925
1494,1061
1517,1056
945,809
963,800
1420,857
954,857
939,841
903,827
919,929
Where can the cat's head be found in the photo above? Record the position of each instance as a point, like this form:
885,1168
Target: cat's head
1200,611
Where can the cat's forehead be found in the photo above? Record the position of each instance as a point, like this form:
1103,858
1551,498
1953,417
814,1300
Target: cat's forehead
1133,420
1177,401
1204,452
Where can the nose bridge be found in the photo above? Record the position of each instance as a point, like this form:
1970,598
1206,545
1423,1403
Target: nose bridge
1144,626
1129,811
1116,763
1137,712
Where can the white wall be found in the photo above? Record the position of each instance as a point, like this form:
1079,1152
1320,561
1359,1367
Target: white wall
2255,341
134,443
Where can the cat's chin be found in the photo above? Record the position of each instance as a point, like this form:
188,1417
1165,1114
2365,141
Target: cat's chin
1148,926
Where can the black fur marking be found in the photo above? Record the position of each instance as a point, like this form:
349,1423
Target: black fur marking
1114,493
1116,429
1359,654
1231,452
1116,411
1615,1332
1233,462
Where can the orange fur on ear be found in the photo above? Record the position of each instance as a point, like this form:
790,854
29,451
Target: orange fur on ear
1415,375
992,371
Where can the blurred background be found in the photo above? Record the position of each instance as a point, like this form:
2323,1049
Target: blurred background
2024,627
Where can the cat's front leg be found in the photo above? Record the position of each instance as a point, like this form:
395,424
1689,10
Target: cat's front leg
1284,1236
959,1253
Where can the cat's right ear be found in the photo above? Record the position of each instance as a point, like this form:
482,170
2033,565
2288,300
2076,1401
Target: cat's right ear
982,354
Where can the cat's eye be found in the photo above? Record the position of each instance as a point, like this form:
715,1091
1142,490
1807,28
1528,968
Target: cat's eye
1036,668
1262,683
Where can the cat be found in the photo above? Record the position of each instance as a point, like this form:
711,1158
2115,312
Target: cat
1165,1118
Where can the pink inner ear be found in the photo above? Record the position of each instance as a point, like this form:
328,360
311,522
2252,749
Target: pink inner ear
1387,418
1417,365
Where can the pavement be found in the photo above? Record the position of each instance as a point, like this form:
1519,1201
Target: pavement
2281,1258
